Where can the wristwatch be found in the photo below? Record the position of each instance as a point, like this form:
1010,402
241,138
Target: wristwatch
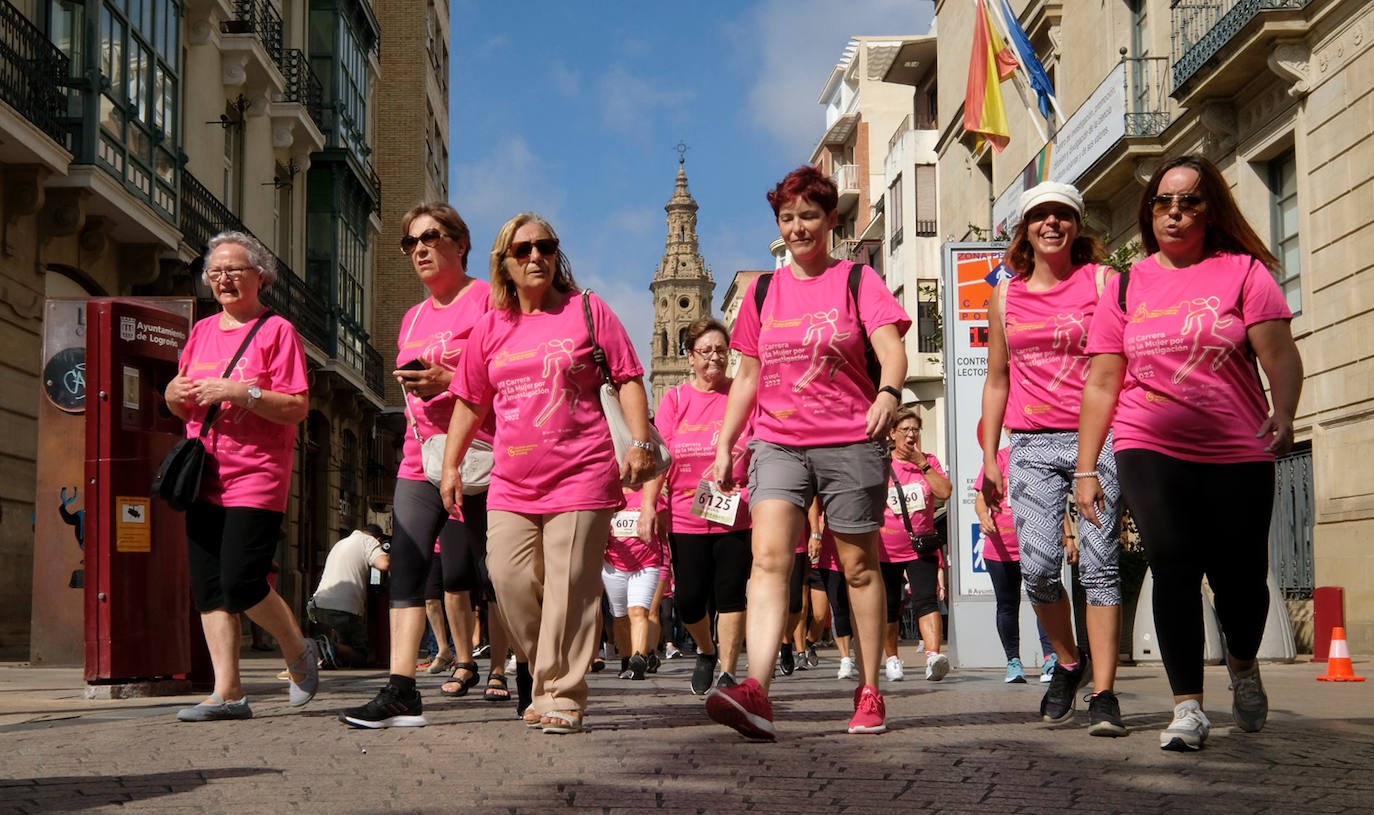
254,394
896,394
643,445
925,468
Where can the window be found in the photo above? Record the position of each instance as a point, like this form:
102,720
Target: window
929,331
341,39
1283,214
926,203
894,214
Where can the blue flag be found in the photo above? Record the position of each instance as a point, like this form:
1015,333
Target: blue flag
1040,81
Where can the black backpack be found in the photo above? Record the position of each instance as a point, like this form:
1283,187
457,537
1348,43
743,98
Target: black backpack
871,364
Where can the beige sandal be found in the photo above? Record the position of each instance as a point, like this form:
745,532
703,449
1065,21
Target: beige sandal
562,722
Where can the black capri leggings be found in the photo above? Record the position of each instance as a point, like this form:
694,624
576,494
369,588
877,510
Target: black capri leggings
708,567
419,517
796,584
923,574
1195,519
838,592
230,551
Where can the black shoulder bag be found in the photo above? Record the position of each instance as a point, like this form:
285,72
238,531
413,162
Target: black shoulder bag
180,474
922,545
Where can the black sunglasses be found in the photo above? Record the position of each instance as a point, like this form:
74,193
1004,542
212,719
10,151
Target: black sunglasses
430,237
546,246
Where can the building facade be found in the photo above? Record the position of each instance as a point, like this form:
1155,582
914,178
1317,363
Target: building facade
682,289
1277,94
132,132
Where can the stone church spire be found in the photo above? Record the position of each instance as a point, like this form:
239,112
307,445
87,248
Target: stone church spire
682,289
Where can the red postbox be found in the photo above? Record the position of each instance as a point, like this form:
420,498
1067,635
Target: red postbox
136,565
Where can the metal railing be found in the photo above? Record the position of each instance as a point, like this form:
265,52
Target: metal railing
1147,95
203,215
1201,28
302,85
846,249
374,373
31,72
1290,527
925,228
846,176
260,18
374,183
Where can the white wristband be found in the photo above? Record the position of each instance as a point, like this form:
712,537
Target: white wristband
1089,474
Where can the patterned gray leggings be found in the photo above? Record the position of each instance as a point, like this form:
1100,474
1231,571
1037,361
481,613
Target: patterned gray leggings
1041,481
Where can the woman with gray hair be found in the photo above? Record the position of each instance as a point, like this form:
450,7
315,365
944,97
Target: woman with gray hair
243,374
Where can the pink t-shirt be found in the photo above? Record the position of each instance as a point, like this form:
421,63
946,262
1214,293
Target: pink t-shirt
1001,539
625,551
813,385
896,542
1047,334
253,456
553,446
438,335
690,421
1192,389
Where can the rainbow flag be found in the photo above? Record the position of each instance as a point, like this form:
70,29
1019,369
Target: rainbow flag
984,112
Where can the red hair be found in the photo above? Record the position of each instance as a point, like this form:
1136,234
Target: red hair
805,182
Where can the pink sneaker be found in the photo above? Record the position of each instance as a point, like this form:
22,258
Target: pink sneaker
870,712
745,707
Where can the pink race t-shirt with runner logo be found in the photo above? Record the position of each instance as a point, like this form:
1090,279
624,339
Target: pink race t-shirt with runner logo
252,455
813,384
625,552
1000,542
690,421
1047,336
1191,390
553,447
437,335
920,501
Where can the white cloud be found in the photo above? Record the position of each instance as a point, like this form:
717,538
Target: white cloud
791,46
565,78
630,104
512,179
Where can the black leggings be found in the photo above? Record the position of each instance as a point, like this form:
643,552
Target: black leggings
838,591
231,551
923,574
1006,587
796,584
1195,519
418,517
710,569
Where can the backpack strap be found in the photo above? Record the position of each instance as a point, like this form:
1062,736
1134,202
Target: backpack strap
1002,286
761,293
1121,290
871,363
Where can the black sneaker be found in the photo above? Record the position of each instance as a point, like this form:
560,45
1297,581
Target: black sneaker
1104,715
787,662
654,663
1058,702
390,708
638,665
703,673
725,681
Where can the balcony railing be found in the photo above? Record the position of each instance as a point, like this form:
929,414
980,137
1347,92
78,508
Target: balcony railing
1201,28
31,72
846,249
846,176
1147,96
302,85
203,215
374,183
260,18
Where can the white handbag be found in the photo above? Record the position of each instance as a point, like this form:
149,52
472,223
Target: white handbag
475,469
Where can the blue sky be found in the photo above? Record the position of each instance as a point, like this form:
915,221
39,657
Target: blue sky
572,109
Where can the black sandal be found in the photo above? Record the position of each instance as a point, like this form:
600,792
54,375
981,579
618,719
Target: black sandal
463,684
498,692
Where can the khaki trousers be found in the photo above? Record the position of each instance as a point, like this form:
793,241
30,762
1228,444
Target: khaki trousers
546,570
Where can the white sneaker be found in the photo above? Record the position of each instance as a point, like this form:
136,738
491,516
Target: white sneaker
894,669
937,667
510,664
847,669
1188,730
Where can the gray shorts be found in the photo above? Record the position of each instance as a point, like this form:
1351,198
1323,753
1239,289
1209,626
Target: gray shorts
851,480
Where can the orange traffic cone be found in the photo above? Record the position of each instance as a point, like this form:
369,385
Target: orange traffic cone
1338,662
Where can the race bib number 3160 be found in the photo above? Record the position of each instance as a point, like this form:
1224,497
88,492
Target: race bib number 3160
915,499
714,505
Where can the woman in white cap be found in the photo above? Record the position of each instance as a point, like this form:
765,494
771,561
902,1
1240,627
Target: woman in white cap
1037,365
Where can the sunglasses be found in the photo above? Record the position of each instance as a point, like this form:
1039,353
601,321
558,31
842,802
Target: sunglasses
430,238
546,246
1186,202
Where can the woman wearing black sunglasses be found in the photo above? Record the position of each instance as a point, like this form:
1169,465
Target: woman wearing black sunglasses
432,338
1195,437
556,482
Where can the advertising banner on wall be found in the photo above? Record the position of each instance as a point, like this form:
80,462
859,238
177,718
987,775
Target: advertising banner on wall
972,271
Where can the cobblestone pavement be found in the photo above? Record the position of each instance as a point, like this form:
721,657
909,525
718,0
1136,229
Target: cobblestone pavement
968,744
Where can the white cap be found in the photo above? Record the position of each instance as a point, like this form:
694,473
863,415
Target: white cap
1047,191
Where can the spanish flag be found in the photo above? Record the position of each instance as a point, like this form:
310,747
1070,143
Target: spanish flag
984,113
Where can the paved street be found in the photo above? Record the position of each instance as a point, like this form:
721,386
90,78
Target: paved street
968,744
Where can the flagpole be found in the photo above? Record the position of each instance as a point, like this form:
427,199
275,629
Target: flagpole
996,7
995,20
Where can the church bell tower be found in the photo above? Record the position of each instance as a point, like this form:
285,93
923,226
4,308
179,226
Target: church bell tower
682,290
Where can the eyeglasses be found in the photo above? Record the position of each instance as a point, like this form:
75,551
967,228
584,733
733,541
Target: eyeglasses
546,246
909,431
430,238
1187,203
234,275
707,353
